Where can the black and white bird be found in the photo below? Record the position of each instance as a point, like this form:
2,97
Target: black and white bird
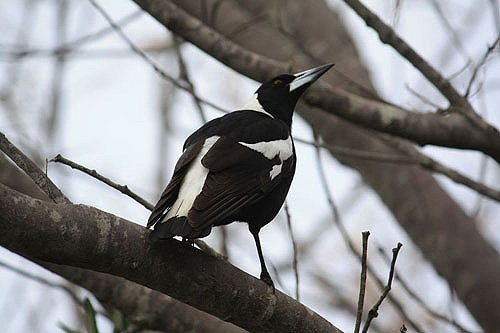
238,167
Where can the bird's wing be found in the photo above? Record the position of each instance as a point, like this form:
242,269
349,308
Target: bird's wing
169,195
238,176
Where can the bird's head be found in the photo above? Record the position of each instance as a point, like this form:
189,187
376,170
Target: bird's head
279,95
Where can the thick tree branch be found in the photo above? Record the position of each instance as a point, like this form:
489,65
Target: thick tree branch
143,307
423,128
388,36
86,237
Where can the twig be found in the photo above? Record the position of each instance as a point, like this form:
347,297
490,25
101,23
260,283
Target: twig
125,190
432,164
362,282
150,61
70,47
453,33
480,64
373,313
349,243
295,252
388,36
48,283
122,188
421,97
183,73
58,72
32,170
418,299
362,154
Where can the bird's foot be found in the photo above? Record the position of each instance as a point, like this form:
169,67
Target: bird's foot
264,276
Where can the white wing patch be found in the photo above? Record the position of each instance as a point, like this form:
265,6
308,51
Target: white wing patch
192,183
281,148
254,105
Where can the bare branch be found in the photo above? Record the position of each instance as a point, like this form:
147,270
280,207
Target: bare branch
419,300
87,238
432,164
156,309
72,46
28,166
122,188
48,283
480,64
125,190
373,313
388,36
423,128
349,243
295,252
150,61
185,77
362,282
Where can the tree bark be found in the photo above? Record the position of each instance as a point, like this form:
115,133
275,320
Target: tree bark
143,307
85,237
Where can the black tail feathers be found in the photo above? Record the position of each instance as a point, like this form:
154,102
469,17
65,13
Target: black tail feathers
177,226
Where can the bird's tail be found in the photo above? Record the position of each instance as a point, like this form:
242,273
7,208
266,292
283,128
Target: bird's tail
177,226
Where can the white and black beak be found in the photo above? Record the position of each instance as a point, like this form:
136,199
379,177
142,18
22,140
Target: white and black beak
309,76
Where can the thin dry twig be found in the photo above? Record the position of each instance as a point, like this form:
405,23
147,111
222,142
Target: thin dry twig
295,251
349,243
32,170
418,299
39,279
125,190
184,75
432,164
480,64
373,313
70,47
122,188
388,36
362,282
150,61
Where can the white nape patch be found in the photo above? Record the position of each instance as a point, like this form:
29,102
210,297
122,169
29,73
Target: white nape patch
281,148
193,182
254,105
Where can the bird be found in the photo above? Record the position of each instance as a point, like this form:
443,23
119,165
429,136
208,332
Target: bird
238,167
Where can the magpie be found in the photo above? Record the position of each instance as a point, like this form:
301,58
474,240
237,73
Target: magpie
238,167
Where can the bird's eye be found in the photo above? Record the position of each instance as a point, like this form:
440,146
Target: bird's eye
277,82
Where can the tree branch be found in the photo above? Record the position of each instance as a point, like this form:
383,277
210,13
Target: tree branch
32,170
142,306
388,36
422,128
373,313
86,237
362,282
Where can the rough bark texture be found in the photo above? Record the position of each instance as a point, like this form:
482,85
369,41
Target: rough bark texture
85,237
445,234
142,307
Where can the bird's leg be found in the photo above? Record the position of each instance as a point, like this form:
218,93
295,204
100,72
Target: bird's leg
264,275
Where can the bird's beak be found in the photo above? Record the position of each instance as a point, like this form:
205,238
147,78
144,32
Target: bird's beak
309,76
